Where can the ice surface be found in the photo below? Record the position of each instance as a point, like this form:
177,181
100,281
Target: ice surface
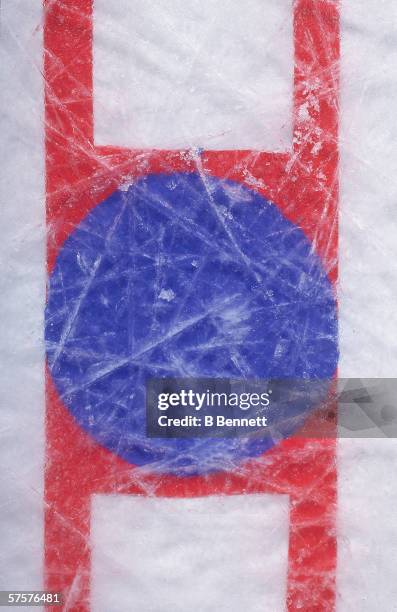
226,73
367,297
368,213
367,530
173,555
22,296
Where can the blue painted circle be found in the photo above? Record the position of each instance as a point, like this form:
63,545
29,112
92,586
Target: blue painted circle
180,276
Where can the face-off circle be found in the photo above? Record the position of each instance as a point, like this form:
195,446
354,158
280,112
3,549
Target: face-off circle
180,276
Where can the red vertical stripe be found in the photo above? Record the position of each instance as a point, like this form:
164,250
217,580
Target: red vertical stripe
303,183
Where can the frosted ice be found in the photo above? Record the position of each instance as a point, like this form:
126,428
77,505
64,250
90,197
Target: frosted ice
137,51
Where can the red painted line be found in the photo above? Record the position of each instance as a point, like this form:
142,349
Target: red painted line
79,175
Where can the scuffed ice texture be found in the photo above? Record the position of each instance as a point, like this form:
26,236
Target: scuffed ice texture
367,524
300,182
225,73
184,275
22,295
367,534
368,219
201,537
